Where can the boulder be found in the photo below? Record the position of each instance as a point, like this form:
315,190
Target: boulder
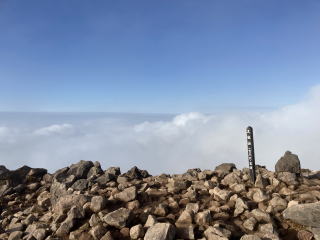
304,214
288,163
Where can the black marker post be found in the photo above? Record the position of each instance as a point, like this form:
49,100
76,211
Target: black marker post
251,158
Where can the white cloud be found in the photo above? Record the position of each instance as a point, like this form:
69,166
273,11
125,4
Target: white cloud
54,129
166,145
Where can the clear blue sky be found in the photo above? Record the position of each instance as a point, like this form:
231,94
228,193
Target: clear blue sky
156,55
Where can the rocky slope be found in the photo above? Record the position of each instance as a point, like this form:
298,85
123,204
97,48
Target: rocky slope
84,202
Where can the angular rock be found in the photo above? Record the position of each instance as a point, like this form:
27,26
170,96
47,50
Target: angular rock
203,218
136,173
80,185
288,178
250,223
261,216
80,169
160,231
117,218
185,217
127,194
240,206
136,231
221,193
225,168
230,179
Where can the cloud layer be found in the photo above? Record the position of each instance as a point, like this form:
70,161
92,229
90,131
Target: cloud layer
160,143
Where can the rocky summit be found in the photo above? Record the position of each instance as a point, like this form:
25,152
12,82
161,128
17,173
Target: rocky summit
85,202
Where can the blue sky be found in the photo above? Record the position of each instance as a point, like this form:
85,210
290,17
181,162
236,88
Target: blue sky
157,56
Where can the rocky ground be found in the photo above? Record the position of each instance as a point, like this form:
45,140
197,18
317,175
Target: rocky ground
84,202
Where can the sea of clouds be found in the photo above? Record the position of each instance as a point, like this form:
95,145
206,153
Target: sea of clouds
161,143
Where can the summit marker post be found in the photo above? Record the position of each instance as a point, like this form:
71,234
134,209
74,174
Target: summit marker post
251,157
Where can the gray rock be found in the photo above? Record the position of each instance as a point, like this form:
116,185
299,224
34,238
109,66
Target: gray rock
288,178
136,173
288,163
40,234
261,216
80,185
95,171
105,178
98,203
127,194
114,171
225,168
80,169
278,204
160,231
305,214
98,231
117,218
66,202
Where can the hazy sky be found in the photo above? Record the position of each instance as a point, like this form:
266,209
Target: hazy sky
168,56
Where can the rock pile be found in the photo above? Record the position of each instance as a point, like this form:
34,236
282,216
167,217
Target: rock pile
84,202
